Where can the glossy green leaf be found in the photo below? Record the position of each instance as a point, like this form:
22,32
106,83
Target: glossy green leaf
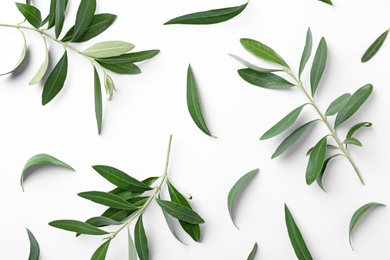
252,66
55,82
328,146
316,161
120,179
326,2
78,227
99,23
209,17
109,85
180,212
31,13
121,68
306,51
101,252
321,175
122,214
193,103
357,127
169,221
59,16
107,199
141,241
52,13
42,70
358,215
98,100
131,246
262,51
236,189
356,101
283,124
34,246
338,104
297,241
21,58
353,141
41,159
108,49
319,64
264,80
292,139
84,17
252,255
374,47
130,57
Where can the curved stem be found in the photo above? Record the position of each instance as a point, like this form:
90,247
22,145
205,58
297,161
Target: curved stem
324,119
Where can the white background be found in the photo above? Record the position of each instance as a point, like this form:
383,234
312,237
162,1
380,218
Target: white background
151,106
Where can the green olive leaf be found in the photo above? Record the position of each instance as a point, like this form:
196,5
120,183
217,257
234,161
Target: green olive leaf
319,64
252,66
374,47
236,189
108,49
78,227
59,18
107,199
262,51
321,175
283,124
84,17
326,2
352,140
193,103
34,246
356,101
102,222
31,13
252,255
109,85
131,246
338,104
357,127
125,194
121,68
130,57
42,70
21,58
328,146
141,241
358,215
122,214
180,212
297,241
52,13
101,252
55,82
209,17
306,51
41,159
316,161
98,100
264,80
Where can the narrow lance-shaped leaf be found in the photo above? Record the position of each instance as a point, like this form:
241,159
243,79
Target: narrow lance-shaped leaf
77,226
122,214
108,49
338,104
316,161
107,199
180,212
130,57
41,159
264,80
252,255
121,68
141,241
357,127
42,70
235,190
55,82
328,146
252,66
306,51
358,215
356,101
374,47
131,246
52,13
283,124
353,141
34,247
84,17
321,175
193,103
296,238
326,2
59,16
292,139
209,17
98,100
262,51
31,13
101,252
125,194
168,220
319,64
21,58
109,85
100,222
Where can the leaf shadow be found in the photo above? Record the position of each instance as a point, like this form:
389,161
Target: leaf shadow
37,168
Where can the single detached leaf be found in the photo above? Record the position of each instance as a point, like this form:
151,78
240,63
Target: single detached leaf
141,241
357,127
356,101
180,212
264,80
107,199
235,190
209,17
121,179
358,215
42,70
352,140
316,161
31,13
319,64
84,17
121,68
326,2
21,58
374,47
193,103
98,100
130,57
34,247
337,104
252,66
101,252
78,227
41,159
252,255
283,124
108,49
59,16
55,82
296,238
292,139
262,51
306,51
131,246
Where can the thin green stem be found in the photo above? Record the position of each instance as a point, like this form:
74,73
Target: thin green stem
324,119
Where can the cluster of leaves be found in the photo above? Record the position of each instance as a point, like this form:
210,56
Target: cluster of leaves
110,55
128,202
342,107
375,46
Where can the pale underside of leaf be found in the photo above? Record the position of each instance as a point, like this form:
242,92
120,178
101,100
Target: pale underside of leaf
252,66
43,68
21,58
